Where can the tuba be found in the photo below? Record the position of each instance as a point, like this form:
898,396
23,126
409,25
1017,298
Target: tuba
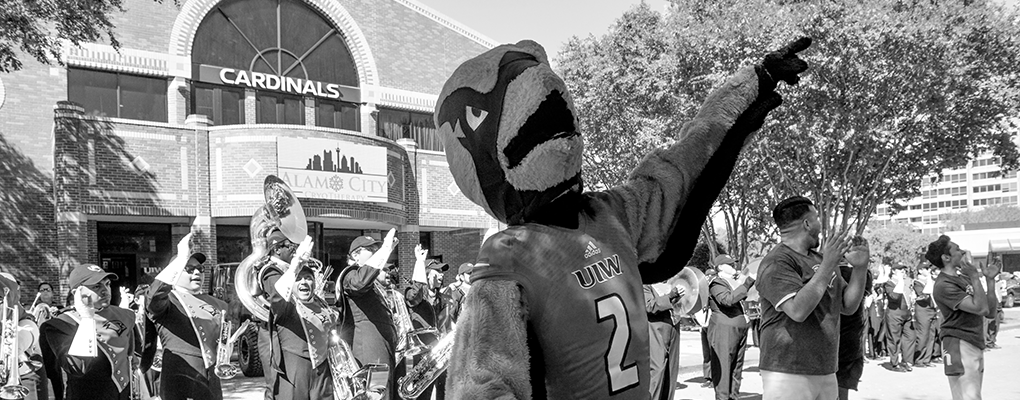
428,369
12,388
282,211
349,381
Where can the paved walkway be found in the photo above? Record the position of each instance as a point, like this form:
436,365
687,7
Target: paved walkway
878,383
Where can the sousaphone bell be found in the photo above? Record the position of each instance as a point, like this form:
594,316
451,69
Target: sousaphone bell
282,212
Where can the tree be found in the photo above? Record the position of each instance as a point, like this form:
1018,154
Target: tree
897,91
898,243
1001,214
37,28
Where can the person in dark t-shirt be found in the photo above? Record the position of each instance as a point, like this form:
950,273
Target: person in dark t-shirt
802,297
964,305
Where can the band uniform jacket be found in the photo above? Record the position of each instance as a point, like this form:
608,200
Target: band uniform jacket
189,328
300,337
106,376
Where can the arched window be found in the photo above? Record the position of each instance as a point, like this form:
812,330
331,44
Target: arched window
286,52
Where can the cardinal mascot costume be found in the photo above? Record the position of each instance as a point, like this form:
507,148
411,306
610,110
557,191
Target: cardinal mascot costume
556,308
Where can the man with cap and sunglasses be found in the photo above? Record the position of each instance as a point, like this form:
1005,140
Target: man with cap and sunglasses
367,324
189,323
95,344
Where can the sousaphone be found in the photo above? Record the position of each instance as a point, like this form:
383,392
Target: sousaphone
282,212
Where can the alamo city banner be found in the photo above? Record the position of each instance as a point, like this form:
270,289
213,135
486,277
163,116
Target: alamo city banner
333,169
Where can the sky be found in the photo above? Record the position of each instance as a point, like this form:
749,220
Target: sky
548,22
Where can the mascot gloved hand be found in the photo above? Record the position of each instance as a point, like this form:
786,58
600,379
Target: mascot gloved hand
556,307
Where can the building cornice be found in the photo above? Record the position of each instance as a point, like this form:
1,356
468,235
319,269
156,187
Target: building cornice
448,22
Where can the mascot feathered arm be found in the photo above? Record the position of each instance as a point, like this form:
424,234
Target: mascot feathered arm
490,351
667,197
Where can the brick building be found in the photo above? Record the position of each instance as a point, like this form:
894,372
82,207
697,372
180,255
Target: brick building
113,157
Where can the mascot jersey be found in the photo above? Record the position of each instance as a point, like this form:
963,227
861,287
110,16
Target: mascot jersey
585,303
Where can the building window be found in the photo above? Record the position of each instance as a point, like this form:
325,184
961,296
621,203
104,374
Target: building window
987,175
336,114
398,124
117,95
987,188
224,105
986,161
276,108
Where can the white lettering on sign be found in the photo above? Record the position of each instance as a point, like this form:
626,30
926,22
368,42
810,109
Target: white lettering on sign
261,80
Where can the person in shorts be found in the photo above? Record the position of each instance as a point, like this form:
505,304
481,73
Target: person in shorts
964,305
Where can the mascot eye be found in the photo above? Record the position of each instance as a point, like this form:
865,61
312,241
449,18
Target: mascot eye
474,116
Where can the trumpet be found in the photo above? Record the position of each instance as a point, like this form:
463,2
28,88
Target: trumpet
12,389
224,369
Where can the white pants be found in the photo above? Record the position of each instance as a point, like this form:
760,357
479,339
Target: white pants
783,386
968,385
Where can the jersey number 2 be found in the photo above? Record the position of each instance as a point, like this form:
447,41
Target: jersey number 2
621,377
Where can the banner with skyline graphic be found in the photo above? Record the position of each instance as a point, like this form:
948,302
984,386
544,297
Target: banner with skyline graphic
333,169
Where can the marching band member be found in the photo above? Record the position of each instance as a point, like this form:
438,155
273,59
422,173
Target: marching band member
727,330
302,322
367,321
94,343
188,323
429,307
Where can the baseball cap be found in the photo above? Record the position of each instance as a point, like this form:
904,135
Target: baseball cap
199,257
88,274
723,259
438,266
362,241
465,268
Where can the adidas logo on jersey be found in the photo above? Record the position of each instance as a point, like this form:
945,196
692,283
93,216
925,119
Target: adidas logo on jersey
592,250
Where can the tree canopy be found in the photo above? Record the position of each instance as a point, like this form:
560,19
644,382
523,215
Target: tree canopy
38,28
896,91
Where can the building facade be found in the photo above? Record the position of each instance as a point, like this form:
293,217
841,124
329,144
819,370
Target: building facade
116,155
981,183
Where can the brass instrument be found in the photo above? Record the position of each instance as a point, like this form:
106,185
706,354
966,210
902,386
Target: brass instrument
695,284
283,212
12,389
428,369
157,360
225,346
402,321
349,381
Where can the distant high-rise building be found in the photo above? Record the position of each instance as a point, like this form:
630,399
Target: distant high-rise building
980,184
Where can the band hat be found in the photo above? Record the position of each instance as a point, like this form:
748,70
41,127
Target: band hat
438,266
199,257
362,241
88,274
465,268
276,237
723,259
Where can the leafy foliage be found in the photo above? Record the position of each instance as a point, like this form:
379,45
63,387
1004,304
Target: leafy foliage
897,91
898,243
37,27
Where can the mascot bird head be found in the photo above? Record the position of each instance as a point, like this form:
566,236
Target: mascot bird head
510,131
